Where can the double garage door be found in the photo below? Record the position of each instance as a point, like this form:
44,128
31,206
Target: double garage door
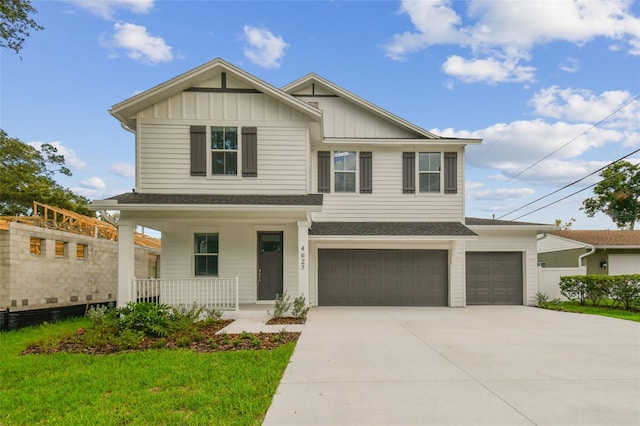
366,277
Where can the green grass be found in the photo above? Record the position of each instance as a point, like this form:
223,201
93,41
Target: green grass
605,310
160,387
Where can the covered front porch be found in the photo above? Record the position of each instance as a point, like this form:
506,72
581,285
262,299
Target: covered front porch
219,254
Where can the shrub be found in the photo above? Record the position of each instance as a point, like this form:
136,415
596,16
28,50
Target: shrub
542,299
281,305
300,308
597,287
149,318
625,289
573,287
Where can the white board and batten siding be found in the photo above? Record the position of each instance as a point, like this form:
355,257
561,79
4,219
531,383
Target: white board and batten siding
164,144
387,202
237,253
511,240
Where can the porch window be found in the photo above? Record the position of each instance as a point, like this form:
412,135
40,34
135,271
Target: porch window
429,167
344,168
206,254
224,150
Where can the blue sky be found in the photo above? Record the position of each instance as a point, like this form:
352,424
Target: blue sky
527,77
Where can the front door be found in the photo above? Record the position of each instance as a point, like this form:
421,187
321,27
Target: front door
269,265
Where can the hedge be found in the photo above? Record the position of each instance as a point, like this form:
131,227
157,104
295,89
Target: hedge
622,289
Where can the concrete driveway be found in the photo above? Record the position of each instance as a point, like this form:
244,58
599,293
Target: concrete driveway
474,366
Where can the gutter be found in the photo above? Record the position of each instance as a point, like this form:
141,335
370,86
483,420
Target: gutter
589,253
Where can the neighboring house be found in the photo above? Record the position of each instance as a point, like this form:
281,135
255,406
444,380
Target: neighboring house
56,259
307,189
602,252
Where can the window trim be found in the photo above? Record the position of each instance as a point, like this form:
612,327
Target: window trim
210,152
355,172
440,173
85,251
194,254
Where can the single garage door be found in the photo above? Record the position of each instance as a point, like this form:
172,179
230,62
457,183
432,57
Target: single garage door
624,264
494,278
364,277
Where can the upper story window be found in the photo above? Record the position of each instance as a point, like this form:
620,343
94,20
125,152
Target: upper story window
206,254
344,169
429,169
224,150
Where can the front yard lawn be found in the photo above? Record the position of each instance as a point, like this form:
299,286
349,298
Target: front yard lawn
157,386
604,310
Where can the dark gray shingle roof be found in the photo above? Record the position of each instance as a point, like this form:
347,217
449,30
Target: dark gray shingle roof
390,228
470,221
276,200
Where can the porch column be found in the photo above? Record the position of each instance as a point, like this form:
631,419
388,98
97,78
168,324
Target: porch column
126,258
303,259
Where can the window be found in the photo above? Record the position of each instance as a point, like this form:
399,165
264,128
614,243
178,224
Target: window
429,166
36,246
344,169
206,254
81,251
224,150
61,249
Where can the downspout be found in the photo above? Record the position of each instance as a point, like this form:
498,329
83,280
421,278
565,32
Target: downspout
589,253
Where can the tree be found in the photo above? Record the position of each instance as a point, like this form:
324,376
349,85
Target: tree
16,23
566,226
27,175
617,195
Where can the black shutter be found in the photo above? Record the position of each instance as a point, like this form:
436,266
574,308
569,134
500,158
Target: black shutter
324,171
366,173
450,172
408,172
198,150
249,151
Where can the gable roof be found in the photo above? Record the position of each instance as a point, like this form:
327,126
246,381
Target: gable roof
314,79
601,238
497,224
126,110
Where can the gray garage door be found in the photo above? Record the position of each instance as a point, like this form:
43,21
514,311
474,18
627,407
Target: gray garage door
382,277
494,278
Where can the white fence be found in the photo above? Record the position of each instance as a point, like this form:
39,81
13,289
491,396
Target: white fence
211,293
549,280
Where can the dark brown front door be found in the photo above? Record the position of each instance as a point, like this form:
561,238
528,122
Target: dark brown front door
269,265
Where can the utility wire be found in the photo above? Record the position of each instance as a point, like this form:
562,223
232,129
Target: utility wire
568,185
561,199
574,138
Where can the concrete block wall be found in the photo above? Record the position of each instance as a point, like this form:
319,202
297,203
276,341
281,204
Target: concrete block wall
47,280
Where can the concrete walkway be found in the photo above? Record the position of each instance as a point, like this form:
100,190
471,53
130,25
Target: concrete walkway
474,366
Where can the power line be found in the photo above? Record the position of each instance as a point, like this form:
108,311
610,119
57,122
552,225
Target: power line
561,199
568,185
574,138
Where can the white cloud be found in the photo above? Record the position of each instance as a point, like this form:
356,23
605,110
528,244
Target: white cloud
477,191
570,65
107,8
121,168
506,31
490,70
70,158
265,49
138,43
581,105
93,183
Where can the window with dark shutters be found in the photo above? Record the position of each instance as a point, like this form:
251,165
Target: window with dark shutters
324,171
366,173
408,172
249,151
450,172
198,150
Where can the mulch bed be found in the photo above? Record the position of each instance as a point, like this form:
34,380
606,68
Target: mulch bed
208,341
286,320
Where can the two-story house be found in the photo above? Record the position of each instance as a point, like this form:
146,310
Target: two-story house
308,189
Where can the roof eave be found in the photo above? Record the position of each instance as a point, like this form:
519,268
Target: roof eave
114,205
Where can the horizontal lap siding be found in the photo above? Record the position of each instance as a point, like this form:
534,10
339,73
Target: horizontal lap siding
237,253
165,162
387,202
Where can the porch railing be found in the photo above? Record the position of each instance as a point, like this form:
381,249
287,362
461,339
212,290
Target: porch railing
211,293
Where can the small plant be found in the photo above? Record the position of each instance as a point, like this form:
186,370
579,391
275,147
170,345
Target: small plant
159,343
300,309
542,300
153,320
212,314
236,342
245,335
183,341
212,342
99,315
255,341
225,338
281,306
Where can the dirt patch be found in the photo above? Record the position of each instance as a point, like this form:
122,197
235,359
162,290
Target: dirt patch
204,340
286,320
